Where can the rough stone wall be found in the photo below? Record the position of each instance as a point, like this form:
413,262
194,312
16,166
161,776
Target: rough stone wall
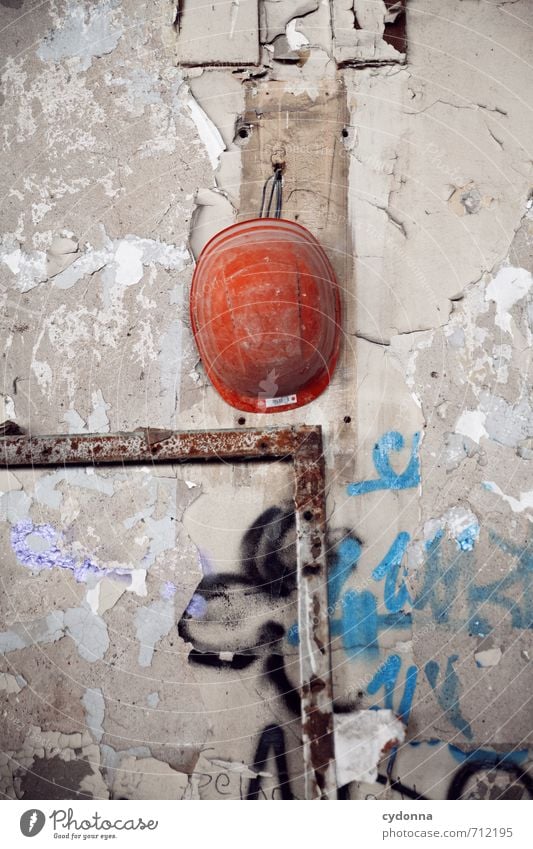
148,635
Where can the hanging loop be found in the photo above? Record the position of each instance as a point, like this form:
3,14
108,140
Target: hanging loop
275,183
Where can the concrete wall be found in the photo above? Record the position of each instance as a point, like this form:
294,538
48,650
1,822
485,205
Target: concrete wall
147,651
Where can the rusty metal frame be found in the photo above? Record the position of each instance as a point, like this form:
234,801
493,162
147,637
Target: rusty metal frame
302,445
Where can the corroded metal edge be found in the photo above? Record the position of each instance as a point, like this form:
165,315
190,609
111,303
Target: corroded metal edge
313,619
151,445
302,445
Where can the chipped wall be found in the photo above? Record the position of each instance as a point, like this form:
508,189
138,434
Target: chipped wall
149,646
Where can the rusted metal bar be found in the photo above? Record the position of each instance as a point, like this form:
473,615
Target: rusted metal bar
313,619
302,446
151,445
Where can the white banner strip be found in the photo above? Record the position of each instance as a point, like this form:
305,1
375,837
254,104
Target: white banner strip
179,824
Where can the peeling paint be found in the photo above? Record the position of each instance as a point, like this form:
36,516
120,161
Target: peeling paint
153,622
11,684
82,34
28,269
471,423
360,740
125,260
517,505
88,631
208,133
506,289
46,630
94,704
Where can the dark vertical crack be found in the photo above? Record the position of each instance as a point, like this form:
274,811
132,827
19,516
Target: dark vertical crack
176,23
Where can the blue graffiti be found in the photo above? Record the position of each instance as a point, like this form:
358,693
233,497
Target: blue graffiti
293,637
354,615
395,599
388,478
197,607
441,580
488,756
448,577
359,623
360,620
447,693
467,538
346,559
517,757
520,608
387,677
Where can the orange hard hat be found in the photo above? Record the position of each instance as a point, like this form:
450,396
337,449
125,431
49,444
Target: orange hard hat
265,312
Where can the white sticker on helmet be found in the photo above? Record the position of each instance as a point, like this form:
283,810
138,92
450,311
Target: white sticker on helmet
282,401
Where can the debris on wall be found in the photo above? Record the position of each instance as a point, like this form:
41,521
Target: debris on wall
369,33
228,34
359,743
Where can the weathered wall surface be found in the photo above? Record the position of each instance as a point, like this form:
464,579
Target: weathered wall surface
148,640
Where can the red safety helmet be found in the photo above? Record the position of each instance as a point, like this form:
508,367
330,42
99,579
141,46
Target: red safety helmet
265,312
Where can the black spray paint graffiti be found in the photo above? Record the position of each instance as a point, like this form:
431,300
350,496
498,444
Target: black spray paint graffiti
271,741
216,625
221,638
229,601
521,780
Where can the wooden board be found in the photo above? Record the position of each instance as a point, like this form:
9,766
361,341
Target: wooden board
306,134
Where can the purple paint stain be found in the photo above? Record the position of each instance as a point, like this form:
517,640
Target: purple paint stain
123,576
197,607
169,590
205,564
82,571
51,557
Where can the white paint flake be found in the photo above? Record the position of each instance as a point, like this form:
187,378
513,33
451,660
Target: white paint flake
94,704
296,39
28,269
128,259
517,505
7,408
459,523
124,259
208,132
88,631
86,32
471,423
508,287
151,624
360,740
